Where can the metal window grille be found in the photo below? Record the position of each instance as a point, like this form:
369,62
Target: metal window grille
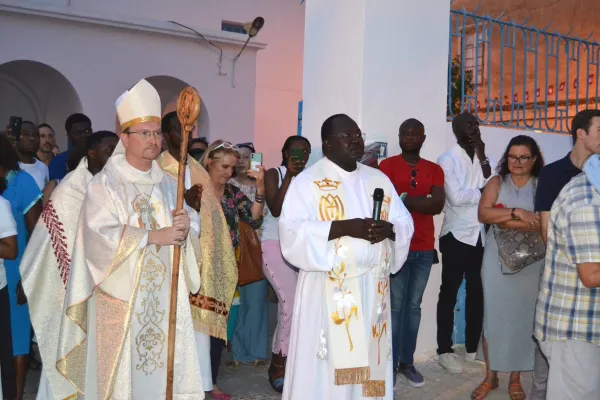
519,76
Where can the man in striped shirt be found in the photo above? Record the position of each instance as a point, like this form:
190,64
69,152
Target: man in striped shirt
567,322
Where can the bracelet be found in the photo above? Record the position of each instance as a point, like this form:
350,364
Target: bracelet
485,162
259,198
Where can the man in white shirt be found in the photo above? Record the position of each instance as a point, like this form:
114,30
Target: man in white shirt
462,238
8,250
28,143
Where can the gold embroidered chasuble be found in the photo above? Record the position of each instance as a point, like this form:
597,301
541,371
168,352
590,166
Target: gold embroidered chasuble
45,269
218,267
113,340
342,299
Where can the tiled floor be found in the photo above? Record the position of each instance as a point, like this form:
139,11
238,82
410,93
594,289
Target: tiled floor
249,383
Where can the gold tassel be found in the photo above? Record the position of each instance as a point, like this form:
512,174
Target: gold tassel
374,389
352,376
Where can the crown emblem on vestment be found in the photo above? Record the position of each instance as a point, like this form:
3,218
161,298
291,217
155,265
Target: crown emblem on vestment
327,184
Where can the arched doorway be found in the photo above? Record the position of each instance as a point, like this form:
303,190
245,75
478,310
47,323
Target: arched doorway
168,88
37,92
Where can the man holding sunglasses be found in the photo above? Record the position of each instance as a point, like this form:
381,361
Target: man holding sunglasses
422,182
462,237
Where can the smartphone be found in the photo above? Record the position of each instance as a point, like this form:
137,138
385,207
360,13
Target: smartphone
255,161
297,154
15,125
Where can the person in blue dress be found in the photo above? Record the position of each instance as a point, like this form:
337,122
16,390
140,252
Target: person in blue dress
25,198
78,127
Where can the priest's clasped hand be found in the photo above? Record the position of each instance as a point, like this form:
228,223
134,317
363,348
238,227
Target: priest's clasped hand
370,230
174,235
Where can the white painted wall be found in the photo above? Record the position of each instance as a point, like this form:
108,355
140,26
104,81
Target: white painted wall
103,48
278,85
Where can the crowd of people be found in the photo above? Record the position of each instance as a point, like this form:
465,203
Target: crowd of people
87,238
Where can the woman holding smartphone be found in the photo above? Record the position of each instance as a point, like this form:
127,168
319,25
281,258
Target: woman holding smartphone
281,275
249,330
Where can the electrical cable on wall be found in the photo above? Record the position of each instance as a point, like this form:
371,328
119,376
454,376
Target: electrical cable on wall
220,62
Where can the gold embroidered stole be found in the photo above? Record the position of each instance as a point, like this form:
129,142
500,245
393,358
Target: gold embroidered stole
218,269
357,358
45,269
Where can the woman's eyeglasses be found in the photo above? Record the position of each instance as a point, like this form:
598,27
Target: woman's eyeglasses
519,160
413,178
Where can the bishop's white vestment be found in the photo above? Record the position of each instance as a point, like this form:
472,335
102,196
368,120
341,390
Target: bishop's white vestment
114,338
340,345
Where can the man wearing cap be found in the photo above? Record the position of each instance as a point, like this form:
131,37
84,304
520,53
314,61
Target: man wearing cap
45,263
118,294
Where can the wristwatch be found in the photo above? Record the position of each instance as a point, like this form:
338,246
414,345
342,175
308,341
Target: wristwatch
514,215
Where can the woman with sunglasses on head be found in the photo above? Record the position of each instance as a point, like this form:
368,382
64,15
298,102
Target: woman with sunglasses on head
220,160
282,276
250,328
510,272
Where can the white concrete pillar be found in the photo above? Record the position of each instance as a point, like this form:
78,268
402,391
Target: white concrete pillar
380,62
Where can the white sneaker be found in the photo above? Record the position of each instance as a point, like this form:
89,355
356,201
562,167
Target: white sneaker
470,357
450,363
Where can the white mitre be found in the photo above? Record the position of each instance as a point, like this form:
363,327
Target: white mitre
138,105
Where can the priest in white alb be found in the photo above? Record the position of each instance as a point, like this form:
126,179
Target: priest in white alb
114,338
340,346
46,262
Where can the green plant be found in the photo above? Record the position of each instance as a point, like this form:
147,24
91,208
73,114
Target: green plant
456,85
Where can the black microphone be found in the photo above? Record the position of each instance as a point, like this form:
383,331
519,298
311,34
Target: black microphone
377,202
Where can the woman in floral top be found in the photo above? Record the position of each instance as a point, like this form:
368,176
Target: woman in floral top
249,342
220,161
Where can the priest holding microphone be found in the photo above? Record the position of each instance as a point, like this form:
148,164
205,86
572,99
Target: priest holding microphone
345,228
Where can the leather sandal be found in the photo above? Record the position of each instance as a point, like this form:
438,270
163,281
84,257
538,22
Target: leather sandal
277,372
516,392
276,376
482,391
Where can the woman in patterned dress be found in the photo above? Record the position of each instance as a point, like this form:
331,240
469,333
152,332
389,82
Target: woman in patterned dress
220,161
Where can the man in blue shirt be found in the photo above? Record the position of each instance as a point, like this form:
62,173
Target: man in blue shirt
78,127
